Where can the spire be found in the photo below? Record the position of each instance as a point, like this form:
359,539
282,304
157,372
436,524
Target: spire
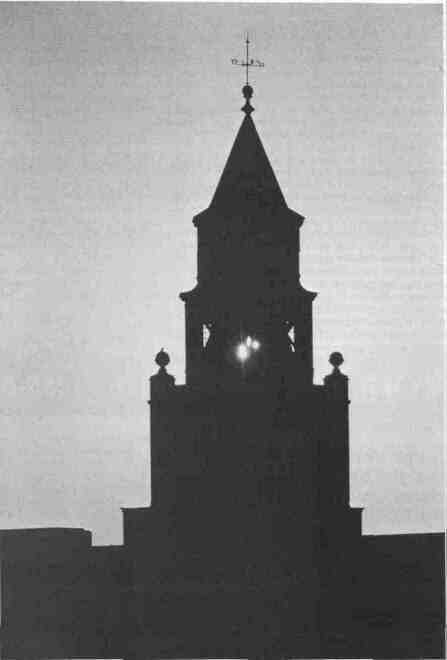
248,179
247,176
248,319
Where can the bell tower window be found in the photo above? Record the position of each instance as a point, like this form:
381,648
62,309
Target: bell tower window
246,348
291,335
206,333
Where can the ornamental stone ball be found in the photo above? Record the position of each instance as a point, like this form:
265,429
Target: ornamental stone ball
247,91
336,359
162,359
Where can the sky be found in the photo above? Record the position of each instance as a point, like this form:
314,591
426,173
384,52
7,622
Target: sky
115,123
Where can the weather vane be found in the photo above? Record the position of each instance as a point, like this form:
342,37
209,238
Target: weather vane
247,62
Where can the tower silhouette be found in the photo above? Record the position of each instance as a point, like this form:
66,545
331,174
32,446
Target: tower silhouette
250,459
248,281
250,548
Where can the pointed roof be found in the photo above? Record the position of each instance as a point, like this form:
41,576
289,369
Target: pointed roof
248,175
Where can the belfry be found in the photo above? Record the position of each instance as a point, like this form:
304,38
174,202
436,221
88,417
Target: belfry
250,547
248,281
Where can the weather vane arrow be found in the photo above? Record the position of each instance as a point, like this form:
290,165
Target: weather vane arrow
248,62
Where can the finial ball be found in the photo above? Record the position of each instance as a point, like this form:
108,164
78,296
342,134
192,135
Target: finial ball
336,359
247,91
162,358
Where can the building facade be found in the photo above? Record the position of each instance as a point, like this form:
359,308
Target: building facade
250,547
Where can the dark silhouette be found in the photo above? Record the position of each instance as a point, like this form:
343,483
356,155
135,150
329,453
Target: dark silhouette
250,548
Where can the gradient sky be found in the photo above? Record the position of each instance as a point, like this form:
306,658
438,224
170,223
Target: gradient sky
116,121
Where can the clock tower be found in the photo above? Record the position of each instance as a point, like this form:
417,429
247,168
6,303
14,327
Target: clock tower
248,319
250,512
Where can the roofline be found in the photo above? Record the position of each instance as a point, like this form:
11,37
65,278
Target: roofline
213,211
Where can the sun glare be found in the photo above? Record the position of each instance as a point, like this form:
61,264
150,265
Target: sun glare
242,352
245,348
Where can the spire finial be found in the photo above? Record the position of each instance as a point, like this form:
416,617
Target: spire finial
247,90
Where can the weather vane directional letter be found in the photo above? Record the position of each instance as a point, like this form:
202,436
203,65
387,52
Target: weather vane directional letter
247,62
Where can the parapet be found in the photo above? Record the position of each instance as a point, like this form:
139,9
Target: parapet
39,542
